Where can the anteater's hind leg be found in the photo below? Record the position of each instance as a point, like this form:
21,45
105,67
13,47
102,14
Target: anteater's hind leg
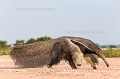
92,59
94,66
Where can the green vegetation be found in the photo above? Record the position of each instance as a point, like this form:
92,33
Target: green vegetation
19,42
32,40
4,48
46,38
109,53
4,52
3,44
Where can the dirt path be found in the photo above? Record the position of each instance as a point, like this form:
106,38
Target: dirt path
61,71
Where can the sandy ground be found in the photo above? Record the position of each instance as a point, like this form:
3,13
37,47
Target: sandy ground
61,71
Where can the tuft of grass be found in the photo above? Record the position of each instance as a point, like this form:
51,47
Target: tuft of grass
109,53
4,52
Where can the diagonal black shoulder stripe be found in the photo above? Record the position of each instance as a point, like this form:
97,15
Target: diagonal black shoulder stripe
84,49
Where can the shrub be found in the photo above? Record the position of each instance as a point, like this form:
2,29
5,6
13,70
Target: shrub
111,53
4,52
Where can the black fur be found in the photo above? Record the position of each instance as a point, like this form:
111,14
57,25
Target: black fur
84,49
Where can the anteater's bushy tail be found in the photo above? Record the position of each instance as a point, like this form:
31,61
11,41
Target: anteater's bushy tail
34,55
